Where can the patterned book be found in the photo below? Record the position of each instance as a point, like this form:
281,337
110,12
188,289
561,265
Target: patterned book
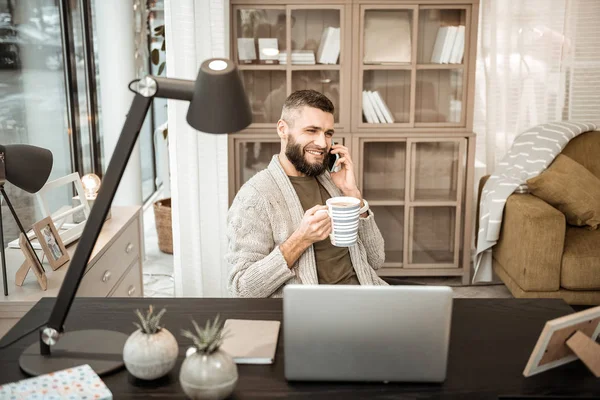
74,383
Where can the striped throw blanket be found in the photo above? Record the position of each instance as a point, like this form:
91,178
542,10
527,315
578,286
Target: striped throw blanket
530,154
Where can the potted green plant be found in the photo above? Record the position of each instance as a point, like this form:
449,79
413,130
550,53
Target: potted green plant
151,351
208,372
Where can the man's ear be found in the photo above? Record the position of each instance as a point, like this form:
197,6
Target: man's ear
282,129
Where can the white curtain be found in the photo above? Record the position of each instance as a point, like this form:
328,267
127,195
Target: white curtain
195,31
537,61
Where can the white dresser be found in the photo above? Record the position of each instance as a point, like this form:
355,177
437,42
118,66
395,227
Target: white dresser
114,269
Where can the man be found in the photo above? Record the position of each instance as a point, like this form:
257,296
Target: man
276,236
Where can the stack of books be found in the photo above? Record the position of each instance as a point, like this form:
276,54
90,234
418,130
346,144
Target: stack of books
374,108
449,45
329,48
306,57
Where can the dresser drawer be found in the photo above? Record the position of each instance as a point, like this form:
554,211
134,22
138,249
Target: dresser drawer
102,277
131,285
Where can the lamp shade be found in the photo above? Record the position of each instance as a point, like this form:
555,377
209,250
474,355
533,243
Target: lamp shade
27,167
219,103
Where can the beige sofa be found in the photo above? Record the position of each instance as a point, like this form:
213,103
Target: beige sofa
538,254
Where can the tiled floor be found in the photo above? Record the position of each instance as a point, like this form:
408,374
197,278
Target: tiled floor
158,271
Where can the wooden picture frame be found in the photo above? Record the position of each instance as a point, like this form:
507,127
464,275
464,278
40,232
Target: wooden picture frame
31,262
567,339
51,243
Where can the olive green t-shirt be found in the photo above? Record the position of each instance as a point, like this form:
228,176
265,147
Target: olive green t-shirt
334,265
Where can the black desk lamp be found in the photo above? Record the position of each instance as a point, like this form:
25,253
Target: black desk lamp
218,104
28,168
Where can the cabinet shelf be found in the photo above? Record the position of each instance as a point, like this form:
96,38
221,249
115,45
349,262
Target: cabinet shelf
392,67
386,196
316,67
440,66
434,195
385,203
433,257
257,67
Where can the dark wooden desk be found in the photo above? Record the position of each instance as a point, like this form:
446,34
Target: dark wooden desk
490,344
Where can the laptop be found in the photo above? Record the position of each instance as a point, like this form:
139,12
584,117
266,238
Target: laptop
366,333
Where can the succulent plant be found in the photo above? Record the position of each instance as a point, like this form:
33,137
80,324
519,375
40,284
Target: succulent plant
206,340
149,324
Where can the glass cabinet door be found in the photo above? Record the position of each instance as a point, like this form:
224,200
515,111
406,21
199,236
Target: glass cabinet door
435,173
442,35
390,221
439,97
386,96
254,156
386,53
387,36
260,38
324,81
316,37
435,200
382,178
266,91
442,45
260,35
383,171
432,237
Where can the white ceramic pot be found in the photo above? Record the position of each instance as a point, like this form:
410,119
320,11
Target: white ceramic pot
150,356
205,377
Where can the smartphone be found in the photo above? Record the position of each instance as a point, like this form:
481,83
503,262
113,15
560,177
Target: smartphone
332,160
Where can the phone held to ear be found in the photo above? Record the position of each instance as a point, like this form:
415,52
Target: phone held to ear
332,160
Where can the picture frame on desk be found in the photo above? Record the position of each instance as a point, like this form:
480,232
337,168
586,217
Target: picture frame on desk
567,339
31,262
51,243
63,218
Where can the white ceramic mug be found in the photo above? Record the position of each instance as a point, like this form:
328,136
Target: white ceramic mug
344,220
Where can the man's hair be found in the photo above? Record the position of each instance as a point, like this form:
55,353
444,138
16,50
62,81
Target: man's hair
304,98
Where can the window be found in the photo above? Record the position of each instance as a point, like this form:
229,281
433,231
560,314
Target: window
41,100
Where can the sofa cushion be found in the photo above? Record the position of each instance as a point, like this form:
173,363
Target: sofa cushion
580,269
585,149
572,189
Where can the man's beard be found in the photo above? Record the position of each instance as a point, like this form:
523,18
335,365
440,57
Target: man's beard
295,154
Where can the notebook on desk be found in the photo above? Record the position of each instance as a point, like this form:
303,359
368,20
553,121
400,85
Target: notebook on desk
75,383
251,341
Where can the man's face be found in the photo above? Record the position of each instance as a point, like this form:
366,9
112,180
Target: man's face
309,141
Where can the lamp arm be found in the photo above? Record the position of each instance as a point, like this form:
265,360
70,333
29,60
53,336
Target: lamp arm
175,89
116,168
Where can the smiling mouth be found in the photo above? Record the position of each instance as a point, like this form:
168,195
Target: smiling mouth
315,152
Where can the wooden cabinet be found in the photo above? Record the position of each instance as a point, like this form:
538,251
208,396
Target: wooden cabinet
114,268
403,89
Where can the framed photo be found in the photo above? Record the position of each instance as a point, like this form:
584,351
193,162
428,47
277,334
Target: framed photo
66,218
31,262
246,50
552,349
51,243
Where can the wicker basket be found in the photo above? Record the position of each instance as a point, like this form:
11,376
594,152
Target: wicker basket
164,227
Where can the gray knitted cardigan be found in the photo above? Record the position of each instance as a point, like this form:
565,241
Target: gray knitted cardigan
265,212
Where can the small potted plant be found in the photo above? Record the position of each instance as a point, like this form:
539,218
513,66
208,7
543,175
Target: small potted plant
208,372
151,351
